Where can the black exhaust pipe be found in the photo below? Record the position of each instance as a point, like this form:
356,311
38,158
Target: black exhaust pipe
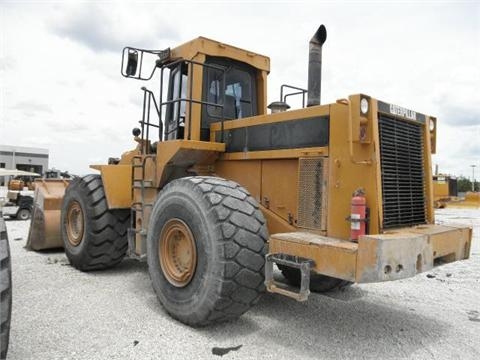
315,66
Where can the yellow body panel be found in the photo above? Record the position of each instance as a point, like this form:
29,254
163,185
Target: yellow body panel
279,185
440,189
276,154
348,172
192,128
184,153
275,223
247,173
117,182
427,168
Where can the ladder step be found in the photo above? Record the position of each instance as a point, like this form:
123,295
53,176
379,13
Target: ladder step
303,264
138,231
131,246
137,207
141,206
138,184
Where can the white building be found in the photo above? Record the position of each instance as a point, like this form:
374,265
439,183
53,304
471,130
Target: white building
23,158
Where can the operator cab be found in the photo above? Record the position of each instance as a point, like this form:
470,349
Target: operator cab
228,93
208,82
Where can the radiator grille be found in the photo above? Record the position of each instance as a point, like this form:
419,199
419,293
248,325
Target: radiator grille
401,152
312,198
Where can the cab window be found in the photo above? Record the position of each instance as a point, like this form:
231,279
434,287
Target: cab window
233,88
175,114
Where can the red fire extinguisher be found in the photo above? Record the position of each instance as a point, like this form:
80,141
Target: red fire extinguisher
358,215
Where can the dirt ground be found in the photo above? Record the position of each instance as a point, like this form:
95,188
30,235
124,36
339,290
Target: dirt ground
62,313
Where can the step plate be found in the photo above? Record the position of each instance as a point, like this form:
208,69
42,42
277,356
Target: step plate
305,267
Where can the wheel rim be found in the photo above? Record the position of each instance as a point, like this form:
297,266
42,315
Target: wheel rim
177,252
75,223
24,214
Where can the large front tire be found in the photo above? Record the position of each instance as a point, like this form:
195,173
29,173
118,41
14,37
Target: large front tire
94,236
205,249
5,289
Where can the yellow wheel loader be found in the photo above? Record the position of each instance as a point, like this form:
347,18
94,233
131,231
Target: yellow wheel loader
216,191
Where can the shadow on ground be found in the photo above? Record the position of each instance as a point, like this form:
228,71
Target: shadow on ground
326,327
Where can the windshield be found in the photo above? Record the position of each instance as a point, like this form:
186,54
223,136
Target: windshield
233,89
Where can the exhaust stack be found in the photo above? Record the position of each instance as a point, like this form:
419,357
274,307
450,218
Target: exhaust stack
315,66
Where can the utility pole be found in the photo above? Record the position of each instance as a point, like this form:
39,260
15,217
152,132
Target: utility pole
473,177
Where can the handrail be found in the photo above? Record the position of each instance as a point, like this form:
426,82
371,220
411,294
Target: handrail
147,101
301,91
163,130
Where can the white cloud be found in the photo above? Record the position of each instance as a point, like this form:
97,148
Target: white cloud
109,26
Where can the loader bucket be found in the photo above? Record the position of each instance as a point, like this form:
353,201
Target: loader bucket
472,199
45,230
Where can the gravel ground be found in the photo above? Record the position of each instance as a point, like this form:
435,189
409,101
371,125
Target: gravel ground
61,313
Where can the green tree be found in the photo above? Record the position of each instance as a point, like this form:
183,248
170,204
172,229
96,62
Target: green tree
464,184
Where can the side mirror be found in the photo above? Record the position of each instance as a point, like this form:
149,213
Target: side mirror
141,64
132,62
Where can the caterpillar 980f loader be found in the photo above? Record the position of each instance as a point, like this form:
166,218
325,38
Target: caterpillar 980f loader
217,191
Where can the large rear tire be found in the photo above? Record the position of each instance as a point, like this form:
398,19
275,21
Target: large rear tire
5,289
318,283
94,237
206,249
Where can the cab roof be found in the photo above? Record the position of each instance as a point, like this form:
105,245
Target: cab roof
203,45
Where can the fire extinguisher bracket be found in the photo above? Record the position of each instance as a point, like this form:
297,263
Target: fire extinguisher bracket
357,220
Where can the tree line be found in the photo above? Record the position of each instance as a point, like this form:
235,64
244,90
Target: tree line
464,184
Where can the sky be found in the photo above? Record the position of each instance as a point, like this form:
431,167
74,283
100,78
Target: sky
61,87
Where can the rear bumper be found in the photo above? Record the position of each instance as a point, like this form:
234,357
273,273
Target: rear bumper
394,255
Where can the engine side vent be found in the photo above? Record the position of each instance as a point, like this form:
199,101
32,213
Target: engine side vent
312,190
403,186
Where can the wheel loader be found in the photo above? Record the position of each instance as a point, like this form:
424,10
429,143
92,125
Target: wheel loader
217,191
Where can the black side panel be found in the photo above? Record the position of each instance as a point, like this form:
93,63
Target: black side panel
299,133
452,187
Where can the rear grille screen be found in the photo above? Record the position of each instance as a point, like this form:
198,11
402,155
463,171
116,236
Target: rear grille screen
401,152
312,199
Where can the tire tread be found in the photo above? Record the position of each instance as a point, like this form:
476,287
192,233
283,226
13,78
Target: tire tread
5,289
238,217
107,243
